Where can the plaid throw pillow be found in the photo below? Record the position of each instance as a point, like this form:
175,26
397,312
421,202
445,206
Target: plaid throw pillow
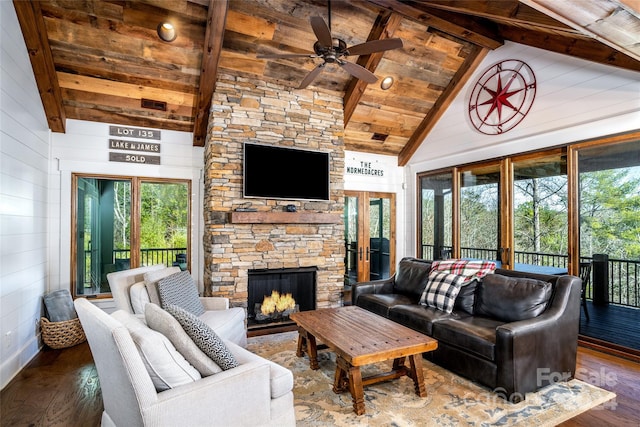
442,290
463,267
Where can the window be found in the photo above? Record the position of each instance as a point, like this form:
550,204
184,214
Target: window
121,223
609,198
436,215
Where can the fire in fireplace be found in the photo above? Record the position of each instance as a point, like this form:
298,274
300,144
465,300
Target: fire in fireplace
275,307
276,293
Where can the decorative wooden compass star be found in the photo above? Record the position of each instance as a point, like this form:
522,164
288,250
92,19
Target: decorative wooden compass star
502,97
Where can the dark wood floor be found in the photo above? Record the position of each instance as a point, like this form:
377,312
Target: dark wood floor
614,323
61,388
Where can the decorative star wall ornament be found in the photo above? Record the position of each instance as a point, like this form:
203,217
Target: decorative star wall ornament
502,97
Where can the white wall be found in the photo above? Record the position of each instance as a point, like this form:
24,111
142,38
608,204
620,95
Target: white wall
391,181
575,100
84,148
24,154
35,195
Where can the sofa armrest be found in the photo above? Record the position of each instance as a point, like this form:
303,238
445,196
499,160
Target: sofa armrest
383,286
215,303
535,352
246,386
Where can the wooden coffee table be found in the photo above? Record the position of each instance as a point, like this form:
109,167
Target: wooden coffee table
360,337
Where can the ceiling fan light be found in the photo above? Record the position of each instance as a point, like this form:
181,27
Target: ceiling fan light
386,83
167,32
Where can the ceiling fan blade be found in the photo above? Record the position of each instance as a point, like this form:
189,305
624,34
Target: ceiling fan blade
375,46
286,55
311,76
322,31
358,71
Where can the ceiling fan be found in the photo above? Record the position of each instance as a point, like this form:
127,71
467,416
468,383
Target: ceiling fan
334,50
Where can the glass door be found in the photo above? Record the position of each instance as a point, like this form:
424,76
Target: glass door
480,197
369,236
436,213
164,223
540,206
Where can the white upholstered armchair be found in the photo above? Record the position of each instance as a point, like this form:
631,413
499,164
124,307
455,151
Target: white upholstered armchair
257,392
129,290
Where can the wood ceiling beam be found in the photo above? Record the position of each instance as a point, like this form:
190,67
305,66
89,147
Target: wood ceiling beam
386,24
214,36
512,11
587,49
34,32
448,95
412,9
612,23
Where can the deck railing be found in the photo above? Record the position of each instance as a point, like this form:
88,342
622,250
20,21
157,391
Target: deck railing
151,256
121,257
623,274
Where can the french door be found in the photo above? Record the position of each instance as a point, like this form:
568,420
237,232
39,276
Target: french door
369,236
126,222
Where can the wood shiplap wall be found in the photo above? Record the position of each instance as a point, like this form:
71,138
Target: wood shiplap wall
24,160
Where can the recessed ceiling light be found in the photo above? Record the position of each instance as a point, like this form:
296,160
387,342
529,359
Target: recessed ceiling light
386,83
167,32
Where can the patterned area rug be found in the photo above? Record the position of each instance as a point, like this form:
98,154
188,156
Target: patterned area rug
451,400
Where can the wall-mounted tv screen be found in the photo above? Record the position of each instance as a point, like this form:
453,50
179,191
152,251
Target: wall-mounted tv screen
285,173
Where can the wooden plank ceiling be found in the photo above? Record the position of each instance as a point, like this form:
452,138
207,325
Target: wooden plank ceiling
98,60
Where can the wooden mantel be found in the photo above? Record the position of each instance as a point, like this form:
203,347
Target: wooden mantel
284,218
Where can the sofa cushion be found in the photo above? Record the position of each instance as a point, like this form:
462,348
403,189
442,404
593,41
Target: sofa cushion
204,337
411,277
179,289
139,297
381,303
512,298
473,334
441,290
465,267
163,322
465,301
151,281
419,317
165,365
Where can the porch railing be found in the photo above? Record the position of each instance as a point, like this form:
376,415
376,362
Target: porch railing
623,274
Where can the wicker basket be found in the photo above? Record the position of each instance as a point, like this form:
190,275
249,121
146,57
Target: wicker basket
62,334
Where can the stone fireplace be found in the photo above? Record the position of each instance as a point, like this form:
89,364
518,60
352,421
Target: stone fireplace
235,243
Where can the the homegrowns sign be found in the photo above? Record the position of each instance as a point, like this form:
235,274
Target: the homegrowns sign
139,146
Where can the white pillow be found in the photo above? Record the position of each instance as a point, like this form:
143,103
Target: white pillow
166,367
151,279
139,297
161,321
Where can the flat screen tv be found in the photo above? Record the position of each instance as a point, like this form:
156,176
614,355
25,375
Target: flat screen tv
285,173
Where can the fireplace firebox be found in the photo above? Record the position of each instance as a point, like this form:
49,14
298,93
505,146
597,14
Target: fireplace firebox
299,284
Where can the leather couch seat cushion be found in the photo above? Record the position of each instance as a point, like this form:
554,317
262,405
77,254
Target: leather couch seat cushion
419,317
474,334
512,299
381,303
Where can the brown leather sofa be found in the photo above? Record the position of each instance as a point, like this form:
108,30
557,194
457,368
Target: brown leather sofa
513,332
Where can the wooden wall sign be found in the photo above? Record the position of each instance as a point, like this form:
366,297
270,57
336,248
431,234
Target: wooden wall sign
364,168
134,158
123,131
121,144
139,146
